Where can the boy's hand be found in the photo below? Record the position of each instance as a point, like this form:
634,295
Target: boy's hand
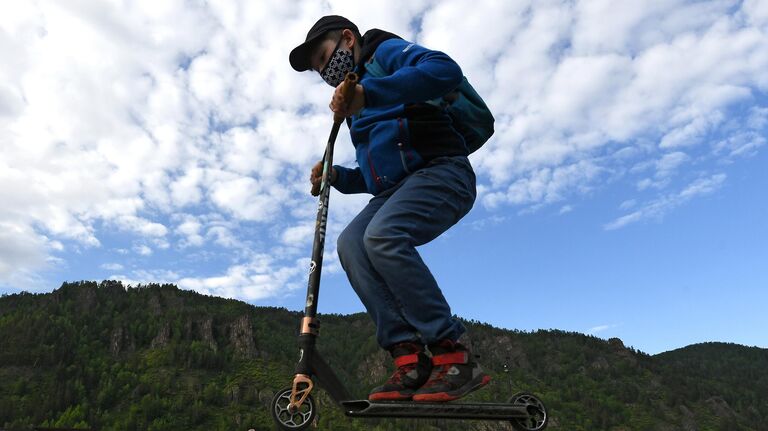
346,108
316,177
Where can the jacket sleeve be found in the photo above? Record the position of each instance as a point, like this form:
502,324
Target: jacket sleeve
349,181
416,74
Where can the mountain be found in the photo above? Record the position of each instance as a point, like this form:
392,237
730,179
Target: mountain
154,357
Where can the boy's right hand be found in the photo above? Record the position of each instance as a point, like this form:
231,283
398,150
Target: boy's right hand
316,177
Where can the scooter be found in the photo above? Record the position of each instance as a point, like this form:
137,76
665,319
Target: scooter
294,408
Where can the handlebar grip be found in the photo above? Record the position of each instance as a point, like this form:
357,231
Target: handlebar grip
348,91
315,189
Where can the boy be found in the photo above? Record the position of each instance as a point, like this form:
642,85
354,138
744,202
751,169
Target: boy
415,164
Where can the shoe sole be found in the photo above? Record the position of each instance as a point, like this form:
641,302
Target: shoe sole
441,397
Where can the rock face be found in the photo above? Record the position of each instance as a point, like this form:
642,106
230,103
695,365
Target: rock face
116,341
687,419
720,407
162,337
120,341
206,333
241,336
374,367
154,305
497,351
616,343
622,350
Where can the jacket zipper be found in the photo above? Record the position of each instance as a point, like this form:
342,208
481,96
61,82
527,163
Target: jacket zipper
402,158
376,178
400,146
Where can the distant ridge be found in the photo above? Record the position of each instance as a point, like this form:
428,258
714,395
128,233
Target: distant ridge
154,357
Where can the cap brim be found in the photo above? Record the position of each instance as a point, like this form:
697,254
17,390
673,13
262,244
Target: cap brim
299,57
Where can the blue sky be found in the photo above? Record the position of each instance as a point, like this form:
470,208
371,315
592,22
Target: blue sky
623,194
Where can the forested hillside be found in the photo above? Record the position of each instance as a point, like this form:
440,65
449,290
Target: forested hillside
100,356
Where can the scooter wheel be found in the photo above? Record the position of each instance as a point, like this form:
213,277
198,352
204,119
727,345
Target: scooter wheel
537,414
294,421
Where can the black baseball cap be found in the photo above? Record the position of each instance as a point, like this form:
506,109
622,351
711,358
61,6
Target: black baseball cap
299,57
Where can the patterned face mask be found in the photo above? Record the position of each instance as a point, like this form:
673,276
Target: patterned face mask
340,63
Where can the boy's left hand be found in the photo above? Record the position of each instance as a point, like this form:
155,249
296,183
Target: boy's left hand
346,108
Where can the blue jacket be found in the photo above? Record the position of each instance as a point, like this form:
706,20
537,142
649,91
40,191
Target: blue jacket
407,75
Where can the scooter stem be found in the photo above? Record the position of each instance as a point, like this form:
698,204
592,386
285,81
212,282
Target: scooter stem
302,383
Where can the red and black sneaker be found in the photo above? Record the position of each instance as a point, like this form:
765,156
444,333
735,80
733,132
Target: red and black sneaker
454,374
413,368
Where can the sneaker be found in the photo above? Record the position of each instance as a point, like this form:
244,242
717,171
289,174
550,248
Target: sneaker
454,374
413,368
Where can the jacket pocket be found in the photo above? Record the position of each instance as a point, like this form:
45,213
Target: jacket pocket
389,156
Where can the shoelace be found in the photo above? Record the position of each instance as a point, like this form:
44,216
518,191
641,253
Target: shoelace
400,372
437,375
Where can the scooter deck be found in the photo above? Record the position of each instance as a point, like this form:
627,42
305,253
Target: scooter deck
407,409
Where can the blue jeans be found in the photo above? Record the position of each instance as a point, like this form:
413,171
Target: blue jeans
378,252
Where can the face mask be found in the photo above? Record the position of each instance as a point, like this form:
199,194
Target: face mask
340,63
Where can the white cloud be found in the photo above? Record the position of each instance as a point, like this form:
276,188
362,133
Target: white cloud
666,167
487,222
299,234
657,208
190,229
261,277
141,226
758,118
756,12
668,71
669,162
223,235
547,185
142,250
185,190
600,328
248,199
20,247
112,266
740,144
703,186
628,204
146,277
691,133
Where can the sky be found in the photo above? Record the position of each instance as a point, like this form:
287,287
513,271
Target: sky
622,195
